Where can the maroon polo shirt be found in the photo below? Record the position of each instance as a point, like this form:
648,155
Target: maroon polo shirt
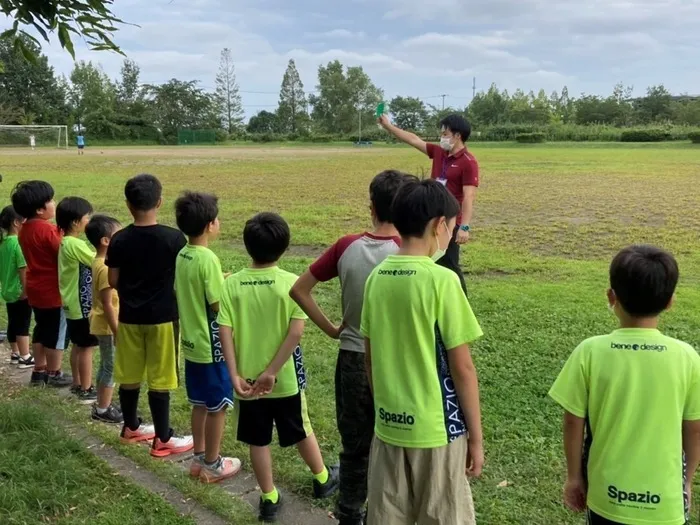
454,171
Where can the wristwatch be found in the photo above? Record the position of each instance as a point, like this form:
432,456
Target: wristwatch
465,227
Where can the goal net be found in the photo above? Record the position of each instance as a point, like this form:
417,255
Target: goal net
44,136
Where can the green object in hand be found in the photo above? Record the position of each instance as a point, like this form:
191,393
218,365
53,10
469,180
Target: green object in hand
380,109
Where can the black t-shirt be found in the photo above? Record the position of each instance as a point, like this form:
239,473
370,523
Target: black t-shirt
145,257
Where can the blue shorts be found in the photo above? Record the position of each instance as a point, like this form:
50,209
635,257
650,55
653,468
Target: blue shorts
209,385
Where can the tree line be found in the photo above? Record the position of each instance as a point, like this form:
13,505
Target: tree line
342,105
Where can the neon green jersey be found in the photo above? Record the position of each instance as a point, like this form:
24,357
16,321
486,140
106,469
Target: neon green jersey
75,277
198,282
414,312
634,387
11,260
255,303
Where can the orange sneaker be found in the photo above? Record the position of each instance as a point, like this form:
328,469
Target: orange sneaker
174,445
223,469
143,433
196,465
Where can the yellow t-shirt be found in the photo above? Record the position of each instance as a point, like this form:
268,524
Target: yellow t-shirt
98,321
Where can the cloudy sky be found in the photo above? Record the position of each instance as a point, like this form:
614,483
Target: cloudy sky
412,47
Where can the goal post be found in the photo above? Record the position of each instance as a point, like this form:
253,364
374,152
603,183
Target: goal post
44,135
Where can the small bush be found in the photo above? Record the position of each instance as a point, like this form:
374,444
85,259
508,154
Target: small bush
530,138
221,135
694,137
645,135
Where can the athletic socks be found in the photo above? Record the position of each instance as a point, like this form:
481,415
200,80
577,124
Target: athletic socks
273,496
322,477
160,411
129,401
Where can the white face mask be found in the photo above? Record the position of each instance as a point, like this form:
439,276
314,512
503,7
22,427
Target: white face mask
446,144
439,253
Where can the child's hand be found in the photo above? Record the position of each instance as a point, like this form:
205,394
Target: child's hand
242,387
264,384
475,458
575,494
338,330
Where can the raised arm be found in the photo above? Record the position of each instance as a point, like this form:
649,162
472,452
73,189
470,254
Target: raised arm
404,136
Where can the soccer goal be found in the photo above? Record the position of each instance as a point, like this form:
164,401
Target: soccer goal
18,136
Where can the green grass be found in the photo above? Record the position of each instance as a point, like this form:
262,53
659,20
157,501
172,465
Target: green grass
548,220
48,477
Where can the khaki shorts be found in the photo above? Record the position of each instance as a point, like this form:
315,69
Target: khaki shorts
409,486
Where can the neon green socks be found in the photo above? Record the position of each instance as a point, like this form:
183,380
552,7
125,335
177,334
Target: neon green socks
273,496
322,477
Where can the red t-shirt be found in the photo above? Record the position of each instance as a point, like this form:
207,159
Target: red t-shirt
454,171
40,241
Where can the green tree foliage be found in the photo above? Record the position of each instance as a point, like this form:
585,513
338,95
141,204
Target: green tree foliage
291,112
345,97
92,98
264,122
29,89
409,113
228,99
489,108
656,106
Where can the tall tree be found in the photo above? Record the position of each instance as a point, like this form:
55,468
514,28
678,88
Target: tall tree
92,99
228,98
490,107
344,98
655,106
409,113
128,87
291,113
263,122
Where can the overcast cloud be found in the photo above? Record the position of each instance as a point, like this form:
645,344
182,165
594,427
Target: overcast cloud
412,47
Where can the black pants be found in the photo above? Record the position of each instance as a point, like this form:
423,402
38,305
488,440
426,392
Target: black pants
451,260
355,413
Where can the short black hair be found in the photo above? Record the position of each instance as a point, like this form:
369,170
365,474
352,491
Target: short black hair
143,192
266,237
100,226
644,279
382,191
29,196
457,124
8,215
71,209
419,202
193,211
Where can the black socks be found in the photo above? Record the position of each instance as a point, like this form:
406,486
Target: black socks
160,412
129,401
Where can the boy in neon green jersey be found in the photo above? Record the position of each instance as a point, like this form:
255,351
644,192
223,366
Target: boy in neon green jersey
417,325
261,327
198,283
632,402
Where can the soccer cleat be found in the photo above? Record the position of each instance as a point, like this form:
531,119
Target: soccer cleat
60,380
13,359
174,445
112,415
143,433
267,511
327,489
224,468
39,379
25,362
196,465
87,397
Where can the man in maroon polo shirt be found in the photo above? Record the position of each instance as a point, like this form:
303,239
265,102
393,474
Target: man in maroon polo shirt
454,167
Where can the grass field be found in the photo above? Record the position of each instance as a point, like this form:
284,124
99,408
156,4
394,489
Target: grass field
548,221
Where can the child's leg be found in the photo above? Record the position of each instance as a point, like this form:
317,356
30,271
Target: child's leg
85,366
261,459
215,423
105,373
22,345
74,365
129,366
311,454
390,501
39,352
162,374
199,428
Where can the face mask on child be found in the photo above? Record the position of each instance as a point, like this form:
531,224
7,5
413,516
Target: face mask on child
439,253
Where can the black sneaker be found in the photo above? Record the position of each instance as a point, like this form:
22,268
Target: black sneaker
60,380
13,359
330,487
112,415
25,362
87,397
39,379
75,389
269,510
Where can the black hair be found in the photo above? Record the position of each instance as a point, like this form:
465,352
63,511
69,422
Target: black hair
419,202
8,216
143,192
382,191
194,211
100,226
266,237
457,124
644,279
29,196
69,210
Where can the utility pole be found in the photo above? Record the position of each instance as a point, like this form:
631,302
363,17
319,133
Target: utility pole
474,89
443,101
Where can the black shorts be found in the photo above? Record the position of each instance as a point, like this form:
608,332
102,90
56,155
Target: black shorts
79,330
594,519
50,328
257,417
19,317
